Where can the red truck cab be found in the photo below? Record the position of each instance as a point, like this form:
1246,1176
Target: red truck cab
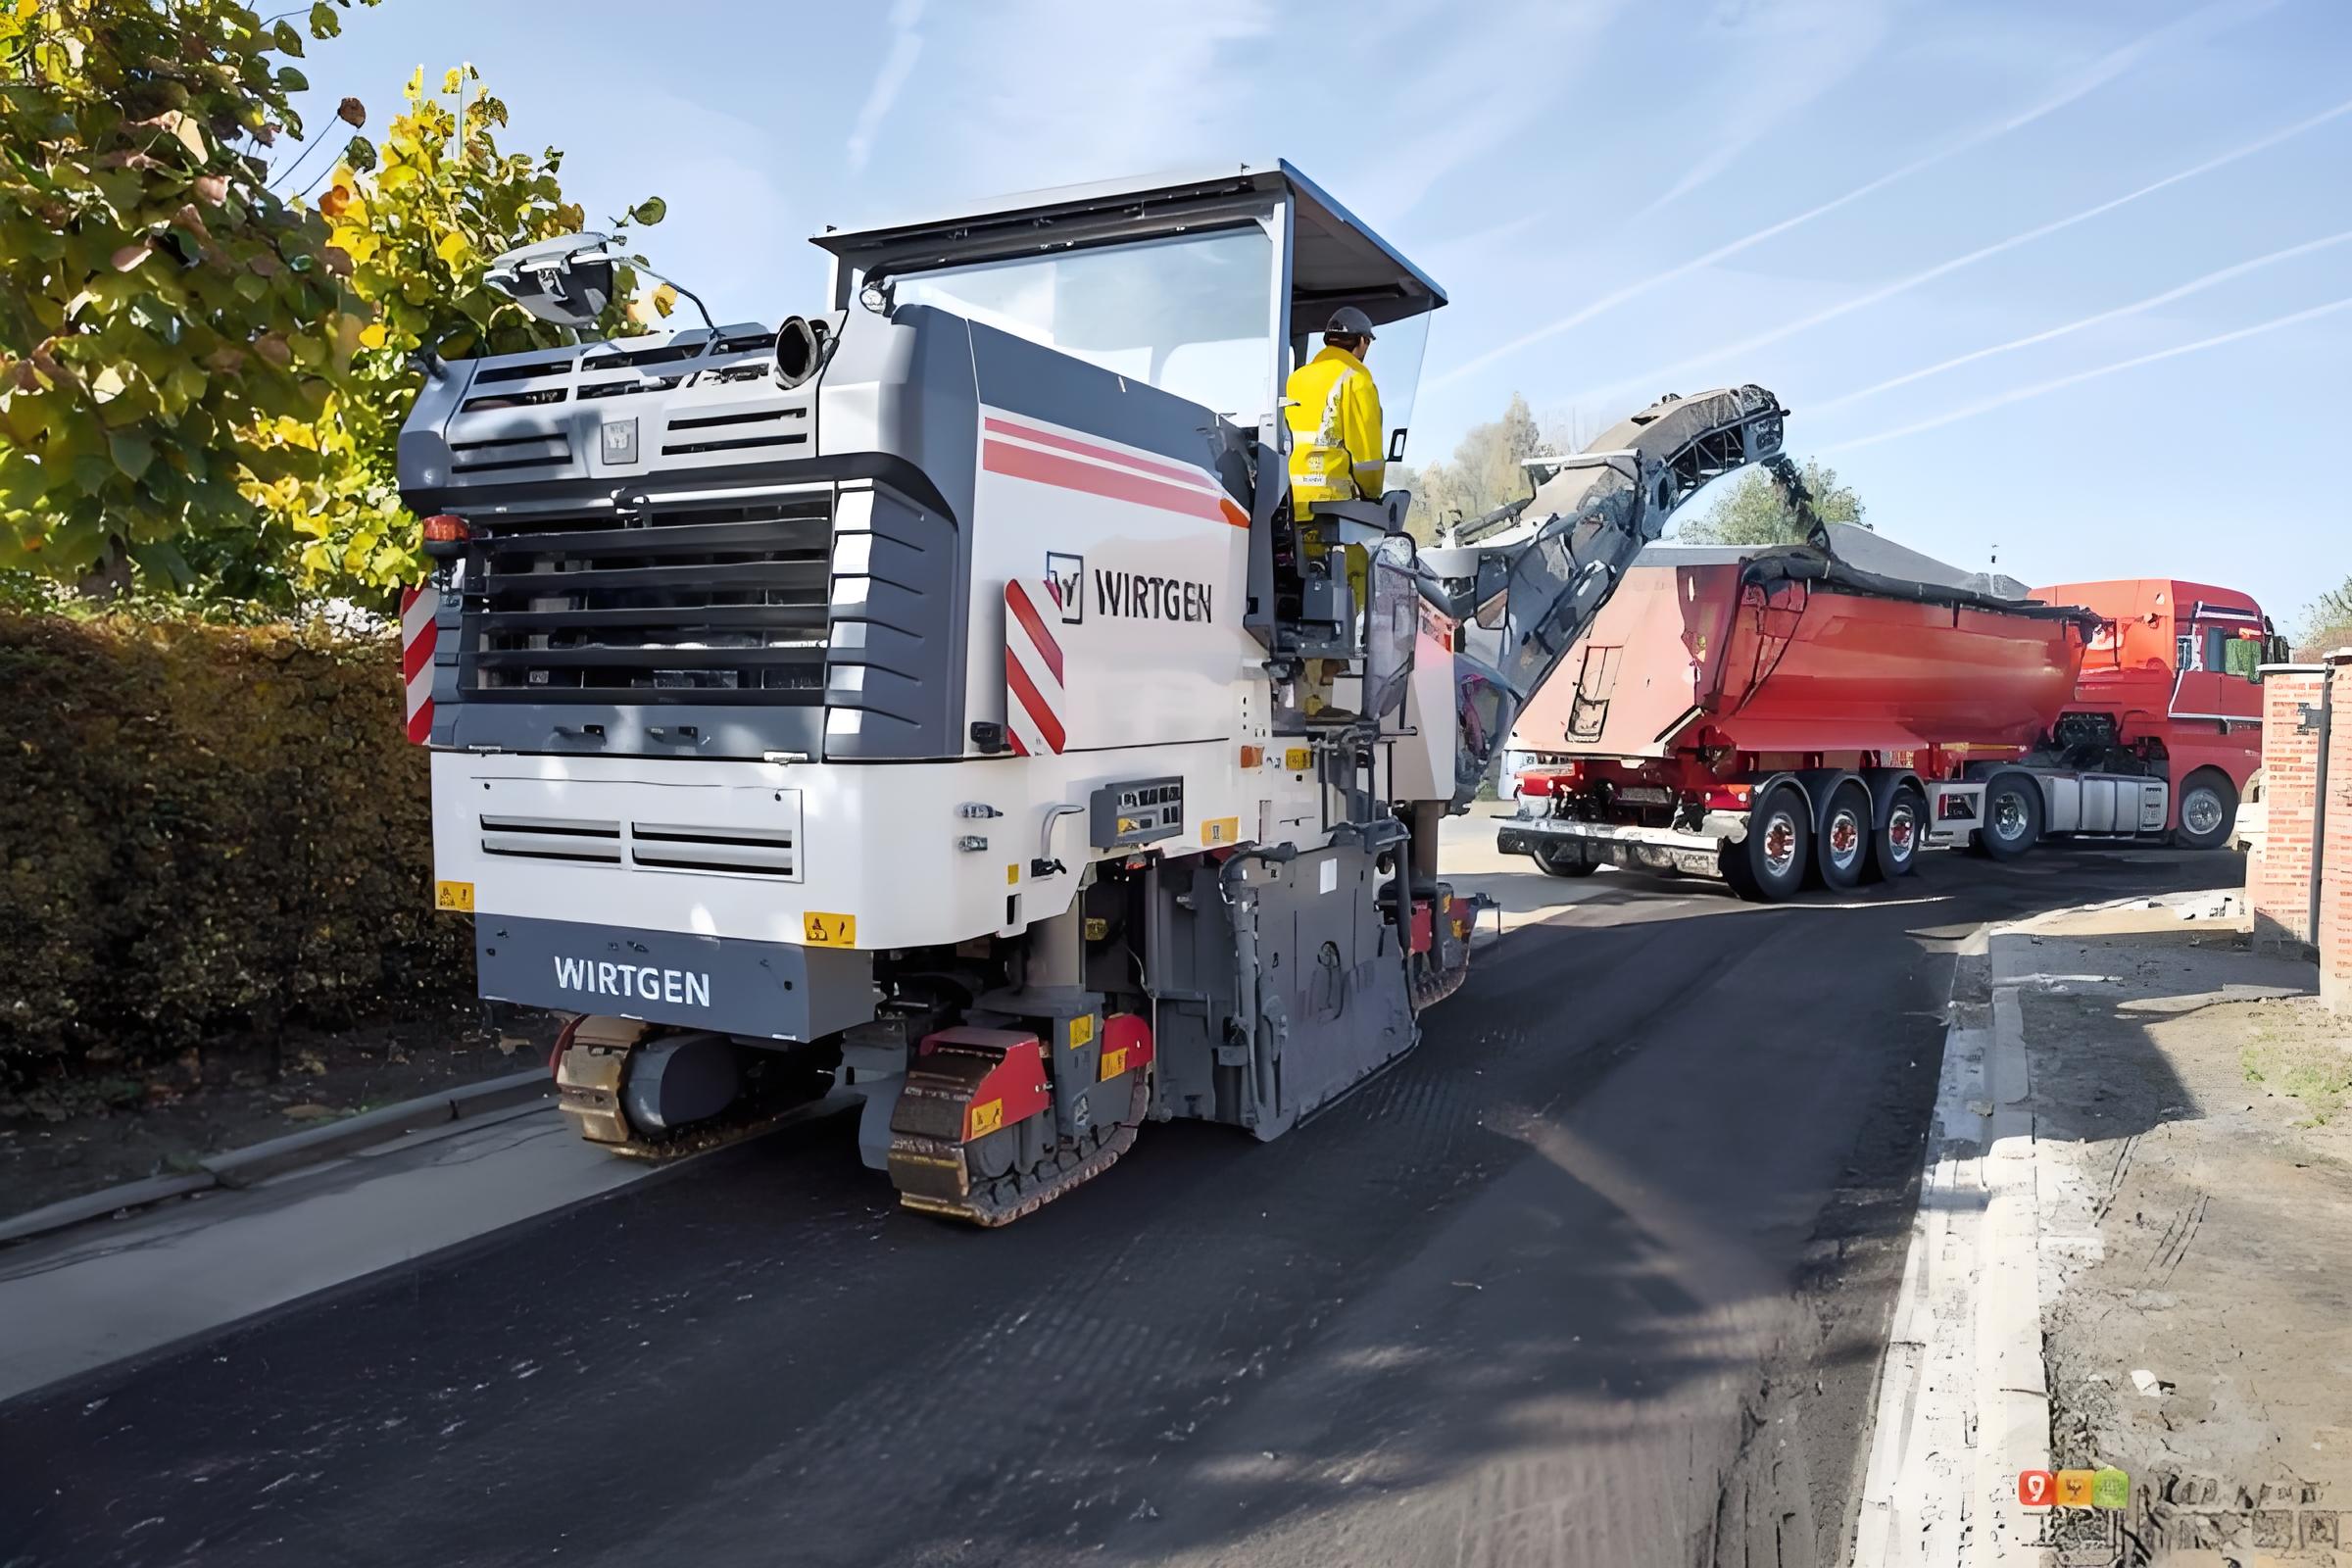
2169,682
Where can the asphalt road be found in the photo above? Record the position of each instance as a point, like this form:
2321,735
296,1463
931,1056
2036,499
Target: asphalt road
1600,1273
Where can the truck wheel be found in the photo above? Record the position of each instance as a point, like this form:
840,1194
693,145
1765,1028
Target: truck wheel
2208,808
2012,816
1894,847
1844,847
1770,863
1558,860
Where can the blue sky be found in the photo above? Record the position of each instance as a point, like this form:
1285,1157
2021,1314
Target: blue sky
1623,199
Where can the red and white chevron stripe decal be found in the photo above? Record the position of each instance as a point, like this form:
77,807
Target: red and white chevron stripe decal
417,634
1036,706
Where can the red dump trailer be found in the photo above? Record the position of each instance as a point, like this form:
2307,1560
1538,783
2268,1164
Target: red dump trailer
1788,716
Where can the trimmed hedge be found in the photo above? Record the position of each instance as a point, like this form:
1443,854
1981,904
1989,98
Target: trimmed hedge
205,829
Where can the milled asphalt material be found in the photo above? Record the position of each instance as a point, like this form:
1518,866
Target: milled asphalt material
243,1167
1599,1273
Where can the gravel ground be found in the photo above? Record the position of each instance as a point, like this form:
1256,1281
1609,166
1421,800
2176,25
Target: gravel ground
2189,1104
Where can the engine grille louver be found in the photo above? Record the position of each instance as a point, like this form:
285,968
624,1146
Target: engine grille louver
675,606
720,849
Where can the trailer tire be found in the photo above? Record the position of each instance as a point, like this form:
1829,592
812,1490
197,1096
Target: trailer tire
1553,859
1894,844
1843,848
2012,816
1771,862
2209,799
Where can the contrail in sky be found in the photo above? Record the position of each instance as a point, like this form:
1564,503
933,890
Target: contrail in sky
2198,24
1903,285
1970,411
2193,286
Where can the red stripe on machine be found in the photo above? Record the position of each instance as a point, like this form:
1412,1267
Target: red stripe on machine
1088,449
418,635
1115,484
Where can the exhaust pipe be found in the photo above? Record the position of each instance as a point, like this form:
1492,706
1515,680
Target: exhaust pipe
799,350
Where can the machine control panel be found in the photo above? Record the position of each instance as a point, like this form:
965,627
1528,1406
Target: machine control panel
1134,811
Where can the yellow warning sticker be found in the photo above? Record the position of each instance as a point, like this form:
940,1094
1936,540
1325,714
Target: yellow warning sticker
1221,830
1114,1062
1296,759
1098,929
456,896
1012,875
1081,1031
823,930
986,1118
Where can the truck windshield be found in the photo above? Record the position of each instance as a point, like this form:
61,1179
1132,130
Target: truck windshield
1192,315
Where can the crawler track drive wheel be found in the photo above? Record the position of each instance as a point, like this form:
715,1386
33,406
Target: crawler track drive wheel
974,1134
590,1070
2012,816
1894,843
1841,850
2208,808
1770,863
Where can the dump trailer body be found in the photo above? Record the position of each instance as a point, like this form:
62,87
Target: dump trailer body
1847,712
1705,648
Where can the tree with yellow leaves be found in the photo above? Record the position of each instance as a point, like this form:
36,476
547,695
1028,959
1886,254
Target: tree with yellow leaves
421,218
157,299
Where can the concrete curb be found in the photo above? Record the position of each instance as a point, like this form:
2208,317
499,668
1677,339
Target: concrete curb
1962,1406
243,1167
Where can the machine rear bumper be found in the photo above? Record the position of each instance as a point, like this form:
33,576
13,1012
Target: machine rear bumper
1644,849
774,990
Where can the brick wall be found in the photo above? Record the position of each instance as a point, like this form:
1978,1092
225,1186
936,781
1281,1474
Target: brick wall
2334,938
2278,874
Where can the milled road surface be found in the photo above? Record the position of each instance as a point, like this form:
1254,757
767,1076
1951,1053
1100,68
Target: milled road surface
1599,1274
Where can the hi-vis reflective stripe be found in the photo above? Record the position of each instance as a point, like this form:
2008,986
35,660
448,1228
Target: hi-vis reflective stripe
1331,435
1036,708
416,635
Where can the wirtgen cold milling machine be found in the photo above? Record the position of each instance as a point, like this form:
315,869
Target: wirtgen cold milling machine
912,698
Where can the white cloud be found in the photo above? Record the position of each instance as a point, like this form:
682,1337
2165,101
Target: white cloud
2196,285
2195,26
1715,358
906,44
2277,324
1050,92
1784,59
1500,69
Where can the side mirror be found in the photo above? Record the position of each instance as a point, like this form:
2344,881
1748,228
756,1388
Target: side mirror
1397,445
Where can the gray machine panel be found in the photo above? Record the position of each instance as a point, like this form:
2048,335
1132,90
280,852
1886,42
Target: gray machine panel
772,990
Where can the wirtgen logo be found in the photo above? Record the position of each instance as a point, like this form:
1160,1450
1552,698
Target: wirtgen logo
640,981
1066,579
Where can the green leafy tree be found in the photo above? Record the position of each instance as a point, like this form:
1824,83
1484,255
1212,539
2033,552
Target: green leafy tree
2327,622
421,218
1483,473
157,299
1754,513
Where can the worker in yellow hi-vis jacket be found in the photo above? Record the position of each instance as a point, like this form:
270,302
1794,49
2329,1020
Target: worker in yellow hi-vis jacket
1336,452
1334,410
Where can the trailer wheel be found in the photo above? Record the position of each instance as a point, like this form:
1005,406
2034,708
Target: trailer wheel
1842,848
2208,810
1558,860
2012,816
1770,863
1894,847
